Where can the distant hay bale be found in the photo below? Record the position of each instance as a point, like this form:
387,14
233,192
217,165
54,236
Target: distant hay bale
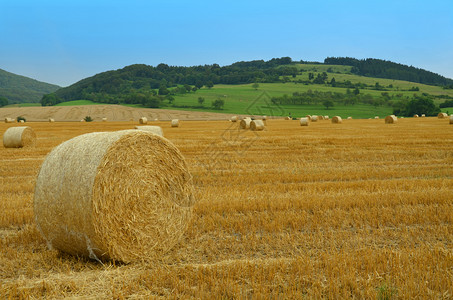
314,118
82,120
349,118
376,117
234,119
337,120
304,122
264,118
175,123
153,129
18,137
10,120
308,117
392,119
143,120
451,119
287,118
442,115
245,123
104,119
423,115
321,118
51,120
326,117
124,195
21,121
257,125
415,116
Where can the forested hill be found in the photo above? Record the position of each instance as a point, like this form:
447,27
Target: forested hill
19,89
379,68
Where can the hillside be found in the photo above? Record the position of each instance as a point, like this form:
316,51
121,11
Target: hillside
21,89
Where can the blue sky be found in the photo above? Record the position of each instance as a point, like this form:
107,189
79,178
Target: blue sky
62,42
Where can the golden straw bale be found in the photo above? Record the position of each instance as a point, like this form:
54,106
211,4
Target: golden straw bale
143,120
376,117
308,117
314,118
257,125
320,118
442,115
288,118
18,137
175,123
264,118
153,129
392,119
337,120
9,120
349,118
21,121
234,119
51,120
104,119
245,123
304,122
415,116
124,195
326,117
423,115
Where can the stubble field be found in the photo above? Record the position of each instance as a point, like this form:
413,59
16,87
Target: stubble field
361,209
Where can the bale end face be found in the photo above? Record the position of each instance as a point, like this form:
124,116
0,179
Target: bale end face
337,120
392,119
143,120
257,125
245,123
175,123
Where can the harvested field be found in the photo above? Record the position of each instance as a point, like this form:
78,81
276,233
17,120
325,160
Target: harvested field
361,210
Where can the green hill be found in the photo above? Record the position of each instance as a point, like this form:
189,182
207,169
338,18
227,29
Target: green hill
21,89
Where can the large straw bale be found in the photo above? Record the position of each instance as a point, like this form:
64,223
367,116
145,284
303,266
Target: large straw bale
442,115
308,117
391,119
175,123
264,118
104,119
304,122
320,117
153,129
9,120
143,120
349,118
257,125
326,117
18,137
314,118
415,116
423,115
51,120
337,120
234,119
123,195
245,123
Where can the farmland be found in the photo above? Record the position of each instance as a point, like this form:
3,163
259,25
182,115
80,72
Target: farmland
360,209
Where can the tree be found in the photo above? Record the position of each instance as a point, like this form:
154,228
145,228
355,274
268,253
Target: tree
356,91
327,103
311,76
163,90
187,87
218,103
200,101
3,101
421,105
209,84
333,82
255,85
199,84
50,99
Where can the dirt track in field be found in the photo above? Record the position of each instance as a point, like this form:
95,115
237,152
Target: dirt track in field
111,112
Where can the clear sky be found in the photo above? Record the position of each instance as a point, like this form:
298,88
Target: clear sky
64,41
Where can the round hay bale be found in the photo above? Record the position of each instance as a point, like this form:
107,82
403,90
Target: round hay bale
257,125
143,120
9,120
104,119
314,118
245,123
451,119
308,117
82,120
326,117
51,120
391,119
349,118
264,118
337,120
415,116
154,129
123,195
234,119
175,123
288,118
321,118
442,115
376,117
18,137
21,121
304,122
423,115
